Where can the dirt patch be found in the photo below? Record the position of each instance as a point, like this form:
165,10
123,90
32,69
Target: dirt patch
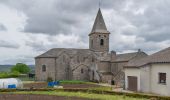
36,97
35,85
66,86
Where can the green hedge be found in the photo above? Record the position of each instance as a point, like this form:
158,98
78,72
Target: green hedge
73,82
135,95
9,74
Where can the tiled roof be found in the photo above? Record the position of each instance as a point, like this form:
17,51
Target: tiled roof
162,56
99,24
57,51
125,57
128,56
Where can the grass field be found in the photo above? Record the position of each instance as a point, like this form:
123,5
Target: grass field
80,94
74,82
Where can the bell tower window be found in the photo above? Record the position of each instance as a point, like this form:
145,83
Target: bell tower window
101,42
91,43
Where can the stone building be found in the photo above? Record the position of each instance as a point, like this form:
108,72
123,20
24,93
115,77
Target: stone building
93,64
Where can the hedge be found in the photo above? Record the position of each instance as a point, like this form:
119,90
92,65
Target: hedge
135,95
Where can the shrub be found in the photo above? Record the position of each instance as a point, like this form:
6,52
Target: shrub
14,74
9,74
21,68
49,79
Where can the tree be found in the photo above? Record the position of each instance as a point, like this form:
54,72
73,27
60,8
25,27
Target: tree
21,68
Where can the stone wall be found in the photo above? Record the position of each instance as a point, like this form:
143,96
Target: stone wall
94,42
66,67
81,73
50,68
104,66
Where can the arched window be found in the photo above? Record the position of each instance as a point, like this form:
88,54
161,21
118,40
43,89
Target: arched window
91,43
92,59
101,42
82,71
64,58
43,68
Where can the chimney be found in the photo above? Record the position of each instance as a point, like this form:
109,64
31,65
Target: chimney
113,55
139,50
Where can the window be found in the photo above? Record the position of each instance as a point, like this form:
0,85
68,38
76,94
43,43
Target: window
82,71
64,58
43,68
78,59
91,43
101,42
92,59
162,78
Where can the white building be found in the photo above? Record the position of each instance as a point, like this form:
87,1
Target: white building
150,74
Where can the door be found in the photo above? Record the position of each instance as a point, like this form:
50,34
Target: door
132,83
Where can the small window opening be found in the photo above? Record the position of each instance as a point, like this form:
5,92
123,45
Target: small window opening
82,71
43,68
101,42
92,59
92,43
162,78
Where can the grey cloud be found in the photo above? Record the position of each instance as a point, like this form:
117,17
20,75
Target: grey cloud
2,27
18,59
6,44
57,16
37,46
153,24
146,19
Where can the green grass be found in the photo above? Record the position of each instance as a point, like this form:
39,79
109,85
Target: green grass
26,79
74,82
102,88
80,94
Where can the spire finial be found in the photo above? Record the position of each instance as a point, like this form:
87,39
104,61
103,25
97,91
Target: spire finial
99,3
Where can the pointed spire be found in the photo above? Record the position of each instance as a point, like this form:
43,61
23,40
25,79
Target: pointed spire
99,24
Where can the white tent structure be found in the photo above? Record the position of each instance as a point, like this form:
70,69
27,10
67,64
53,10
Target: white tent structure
4,83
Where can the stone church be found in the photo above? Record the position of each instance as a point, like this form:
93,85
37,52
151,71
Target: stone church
93,64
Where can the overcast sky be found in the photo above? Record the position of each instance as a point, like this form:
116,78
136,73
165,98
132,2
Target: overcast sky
31,27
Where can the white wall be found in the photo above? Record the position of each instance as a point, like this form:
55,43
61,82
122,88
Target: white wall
156,87
148,79
132,72
145,78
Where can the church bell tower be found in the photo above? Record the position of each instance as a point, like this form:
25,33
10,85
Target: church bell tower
99,36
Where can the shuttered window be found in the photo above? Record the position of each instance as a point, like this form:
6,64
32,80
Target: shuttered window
162,78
